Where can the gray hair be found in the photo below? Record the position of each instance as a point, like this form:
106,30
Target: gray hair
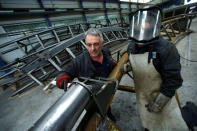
95,32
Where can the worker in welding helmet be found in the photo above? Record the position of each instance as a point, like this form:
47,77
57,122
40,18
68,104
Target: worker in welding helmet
145,25
156,68
144,28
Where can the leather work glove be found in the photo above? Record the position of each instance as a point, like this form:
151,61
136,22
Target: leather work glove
126,68
159,103
62,81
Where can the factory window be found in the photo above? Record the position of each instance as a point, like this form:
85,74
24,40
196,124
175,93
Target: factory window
27,28
67,22
94,18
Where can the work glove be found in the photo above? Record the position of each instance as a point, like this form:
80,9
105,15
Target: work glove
158,104
126,68
62,81
114,64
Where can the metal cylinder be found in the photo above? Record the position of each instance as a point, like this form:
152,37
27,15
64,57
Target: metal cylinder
65,112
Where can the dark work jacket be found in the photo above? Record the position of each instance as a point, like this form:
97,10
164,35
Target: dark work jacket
167,63
84,66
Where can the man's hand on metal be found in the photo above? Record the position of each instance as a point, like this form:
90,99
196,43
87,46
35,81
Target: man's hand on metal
159,103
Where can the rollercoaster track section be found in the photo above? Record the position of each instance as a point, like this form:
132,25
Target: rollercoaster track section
94,23
169,13
52,60
177,27
176,21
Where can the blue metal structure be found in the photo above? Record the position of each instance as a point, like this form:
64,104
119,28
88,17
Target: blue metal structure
46,15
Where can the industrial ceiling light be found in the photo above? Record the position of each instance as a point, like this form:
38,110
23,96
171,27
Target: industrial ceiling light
137,1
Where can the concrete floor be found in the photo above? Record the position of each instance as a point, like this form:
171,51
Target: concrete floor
20,113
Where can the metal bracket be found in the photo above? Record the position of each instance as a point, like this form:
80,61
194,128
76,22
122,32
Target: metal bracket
100,89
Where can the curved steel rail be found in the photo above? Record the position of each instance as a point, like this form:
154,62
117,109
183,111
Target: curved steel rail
177,27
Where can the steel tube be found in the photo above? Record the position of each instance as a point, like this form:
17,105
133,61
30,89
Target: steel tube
65,112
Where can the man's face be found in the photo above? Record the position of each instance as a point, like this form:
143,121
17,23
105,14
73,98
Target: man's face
94,45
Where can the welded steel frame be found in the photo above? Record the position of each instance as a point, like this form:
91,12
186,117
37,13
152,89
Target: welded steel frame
49,57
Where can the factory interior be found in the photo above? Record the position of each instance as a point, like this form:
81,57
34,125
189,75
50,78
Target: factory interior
39,38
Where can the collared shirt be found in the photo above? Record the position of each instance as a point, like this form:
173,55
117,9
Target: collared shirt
84,66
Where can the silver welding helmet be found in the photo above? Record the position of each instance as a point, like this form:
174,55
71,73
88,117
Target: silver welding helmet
145,25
